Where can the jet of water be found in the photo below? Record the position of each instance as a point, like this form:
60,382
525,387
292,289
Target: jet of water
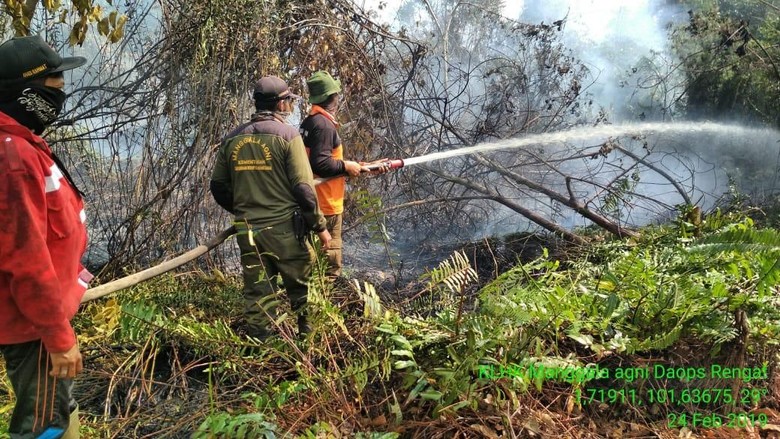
601,132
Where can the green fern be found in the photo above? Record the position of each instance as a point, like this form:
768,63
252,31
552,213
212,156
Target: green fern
325,313
139,320
444,287
658,342
243,426
454,273
740,240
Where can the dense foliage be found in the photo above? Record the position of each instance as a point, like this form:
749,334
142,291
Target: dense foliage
168,358
730,53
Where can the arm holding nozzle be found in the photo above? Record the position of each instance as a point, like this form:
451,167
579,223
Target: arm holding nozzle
381,166
353,169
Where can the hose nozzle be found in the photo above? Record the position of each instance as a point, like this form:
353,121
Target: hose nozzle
392,164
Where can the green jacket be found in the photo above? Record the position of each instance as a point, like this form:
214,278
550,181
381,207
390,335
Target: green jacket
262,174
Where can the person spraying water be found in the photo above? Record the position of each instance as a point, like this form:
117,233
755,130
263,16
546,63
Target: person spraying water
559,137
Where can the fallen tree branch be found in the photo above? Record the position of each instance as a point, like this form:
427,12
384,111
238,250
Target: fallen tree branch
527,213
573,204
660,171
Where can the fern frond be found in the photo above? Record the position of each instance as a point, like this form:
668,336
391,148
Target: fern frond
326,311
139,320
454,273
743,240
443,286
372,304
659,342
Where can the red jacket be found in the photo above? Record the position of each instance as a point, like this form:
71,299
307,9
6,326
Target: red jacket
42,239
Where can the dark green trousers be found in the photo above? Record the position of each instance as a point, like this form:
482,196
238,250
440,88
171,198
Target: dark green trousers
272,253
42,402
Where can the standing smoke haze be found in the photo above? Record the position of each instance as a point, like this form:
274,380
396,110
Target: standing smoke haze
535,87
625,45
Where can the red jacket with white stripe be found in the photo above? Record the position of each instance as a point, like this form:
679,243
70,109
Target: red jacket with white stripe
42,239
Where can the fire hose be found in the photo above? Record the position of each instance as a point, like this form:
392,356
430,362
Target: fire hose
136,278
164,267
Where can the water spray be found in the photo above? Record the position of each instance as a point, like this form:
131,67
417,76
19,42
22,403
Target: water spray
576,134
579,134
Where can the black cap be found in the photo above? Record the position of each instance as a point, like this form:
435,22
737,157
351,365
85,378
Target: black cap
272,88
26,58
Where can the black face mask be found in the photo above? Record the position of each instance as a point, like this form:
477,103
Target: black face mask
35,106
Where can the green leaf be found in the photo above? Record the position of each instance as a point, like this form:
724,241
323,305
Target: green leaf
386,328
402,341
432,395
402,353
583,339
403,364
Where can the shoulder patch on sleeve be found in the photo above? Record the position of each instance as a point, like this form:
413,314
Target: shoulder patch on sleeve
9,155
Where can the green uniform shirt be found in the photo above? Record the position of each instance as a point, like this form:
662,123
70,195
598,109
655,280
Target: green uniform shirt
263,173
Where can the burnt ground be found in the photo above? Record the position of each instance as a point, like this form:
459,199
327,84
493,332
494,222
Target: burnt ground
398,275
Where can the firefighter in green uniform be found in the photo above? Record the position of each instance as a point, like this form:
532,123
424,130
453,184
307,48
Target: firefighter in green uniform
262,176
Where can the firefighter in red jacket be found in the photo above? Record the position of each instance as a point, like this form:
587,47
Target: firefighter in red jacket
42,239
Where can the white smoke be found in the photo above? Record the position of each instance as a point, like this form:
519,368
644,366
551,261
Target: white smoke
624,43
386,10
626,46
